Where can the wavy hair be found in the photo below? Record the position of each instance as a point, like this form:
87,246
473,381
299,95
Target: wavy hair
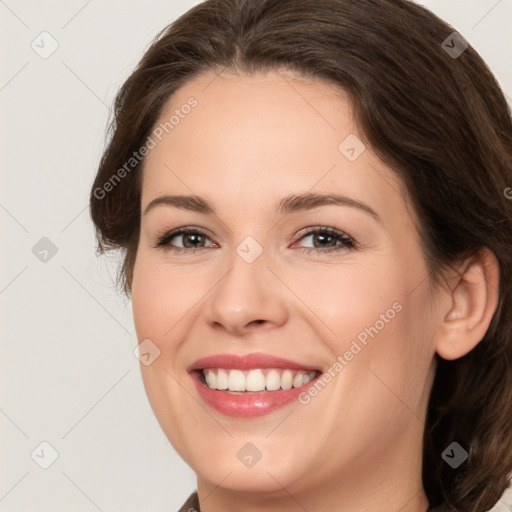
438,119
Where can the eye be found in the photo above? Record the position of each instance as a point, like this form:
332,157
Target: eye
330,240
192,240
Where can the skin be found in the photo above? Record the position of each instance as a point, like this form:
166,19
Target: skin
357,445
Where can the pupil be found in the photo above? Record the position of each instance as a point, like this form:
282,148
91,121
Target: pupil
191,236
323,236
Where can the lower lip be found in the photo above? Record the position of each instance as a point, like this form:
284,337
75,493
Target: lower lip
247,404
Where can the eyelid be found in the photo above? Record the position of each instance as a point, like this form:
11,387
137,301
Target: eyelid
325,229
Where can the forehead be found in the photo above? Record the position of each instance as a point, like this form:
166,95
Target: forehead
264,136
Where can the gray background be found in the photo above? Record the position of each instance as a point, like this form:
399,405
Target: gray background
68,373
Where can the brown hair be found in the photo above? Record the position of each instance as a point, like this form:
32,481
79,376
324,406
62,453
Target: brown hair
438,119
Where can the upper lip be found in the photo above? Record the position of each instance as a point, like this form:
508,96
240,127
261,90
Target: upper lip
247,362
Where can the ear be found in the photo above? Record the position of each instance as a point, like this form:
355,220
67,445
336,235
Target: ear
474,298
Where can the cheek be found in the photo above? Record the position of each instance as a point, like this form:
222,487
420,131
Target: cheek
351,299
378,320
160,297
146,291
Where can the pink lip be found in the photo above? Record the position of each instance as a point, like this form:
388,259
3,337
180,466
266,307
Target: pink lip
246,404
247,362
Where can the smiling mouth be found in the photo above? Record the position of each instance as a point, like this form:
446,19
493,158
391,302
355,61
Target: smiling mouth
255,380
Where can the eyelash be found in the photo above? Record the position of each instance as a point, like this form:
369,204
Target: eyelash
347,243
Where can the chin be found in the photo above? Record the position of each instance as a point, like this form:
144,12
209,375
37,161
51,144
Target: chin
266,478
238,466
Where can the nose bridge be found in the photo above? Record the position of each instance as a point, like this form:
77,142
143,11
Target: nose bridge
248,293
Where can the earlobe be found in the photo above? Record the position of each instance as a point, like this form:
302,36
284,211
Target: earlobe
474,298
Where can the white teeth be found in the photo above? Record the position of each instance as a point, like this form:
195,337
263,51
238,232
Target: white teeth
256,380
287,379
222,379
236,380
212,379
273,380
298,380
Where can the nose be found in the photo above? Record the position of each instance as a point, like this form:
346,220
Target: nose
247,297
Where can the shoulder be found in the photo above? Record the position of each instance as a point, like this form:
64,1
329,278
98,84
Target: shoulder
192,504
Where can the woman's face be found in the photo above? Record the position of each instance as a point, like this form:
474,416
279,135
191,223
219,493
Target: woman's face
254,277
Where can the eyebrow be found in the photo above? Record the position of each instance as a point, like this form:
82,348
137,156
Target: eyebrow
289,204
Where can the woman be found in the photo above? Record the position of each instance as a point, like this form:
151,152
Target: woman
312,201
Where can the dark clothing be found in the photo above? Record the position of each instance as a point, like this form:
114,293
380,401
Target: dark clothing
192,505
